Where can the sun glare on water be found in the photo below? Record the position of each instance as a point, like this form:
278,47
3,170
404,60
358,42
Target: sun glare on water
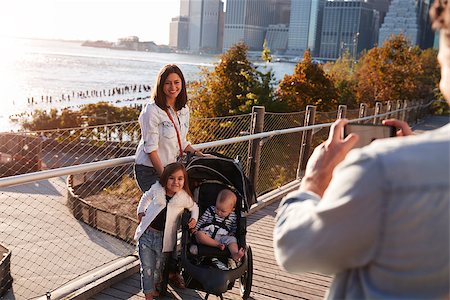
10,54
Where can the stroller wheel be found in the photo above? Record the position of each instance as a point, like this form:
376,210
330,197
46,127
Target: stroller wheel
245,281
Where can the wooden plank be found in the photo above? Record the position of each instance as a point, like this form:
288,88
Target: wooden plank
122,293
103,296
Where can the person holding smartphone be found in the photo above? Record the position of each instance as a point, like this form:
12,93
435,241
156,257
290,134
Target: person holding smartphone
376,217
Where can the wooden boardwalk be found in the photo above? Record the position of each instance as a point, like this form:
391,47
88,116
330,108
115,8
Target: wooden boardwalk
269,281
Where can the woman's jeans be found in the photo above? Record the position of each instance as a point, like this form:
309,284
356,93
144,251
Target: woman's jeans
145,177
152,260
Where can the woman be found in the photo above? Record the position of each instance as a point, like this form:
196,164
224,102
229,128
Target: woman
164,125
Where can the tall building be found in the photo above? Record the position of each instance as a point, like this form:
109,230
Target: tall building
305,26
179,29
277,38
204,22
184,8
381,6
348,25
282,12
426,34
277,33
204,16
401,18
247,21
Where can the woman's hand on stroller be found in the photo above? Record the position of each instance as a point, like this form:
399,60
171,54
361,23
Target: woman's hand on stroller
192,222
140,215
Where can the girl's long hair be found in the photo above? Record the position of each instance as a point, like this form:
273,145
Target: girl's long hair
158,92
172,168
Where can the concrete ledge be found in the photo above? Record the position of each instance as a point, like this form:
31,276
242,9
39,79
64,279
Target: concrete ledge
96,280
120,226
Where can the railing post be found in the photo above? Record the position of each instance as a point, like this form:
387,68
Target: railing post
378,107
310,117
416,111
399,106
420,109
404,115
257,126
342,111
362,110
389,109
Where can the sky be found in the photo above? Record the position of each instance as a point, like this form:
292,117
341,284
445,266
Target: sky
88,19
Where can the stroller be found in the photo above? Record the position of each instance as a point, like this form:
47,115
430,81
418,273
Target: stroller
208,176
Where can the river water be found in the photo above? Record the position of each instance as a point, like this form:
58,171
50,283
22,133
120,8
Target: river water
44,74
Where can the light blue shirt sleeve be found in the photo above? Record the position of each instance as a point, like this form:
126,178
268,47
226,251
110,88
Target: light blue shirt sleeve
339,231
149,121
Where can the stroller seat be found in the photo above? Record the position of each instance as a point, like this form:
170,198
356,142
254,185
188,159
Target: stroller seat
200,268
205,195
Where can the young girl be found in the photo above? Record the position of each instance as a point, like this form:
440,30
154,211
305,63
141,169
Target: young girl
158,212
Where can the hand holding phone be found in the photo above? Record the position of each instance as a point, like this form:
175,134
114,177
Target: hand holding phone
368,133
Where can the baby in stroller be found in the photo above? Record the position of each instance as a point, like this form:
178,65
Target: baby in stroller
217,226
214,270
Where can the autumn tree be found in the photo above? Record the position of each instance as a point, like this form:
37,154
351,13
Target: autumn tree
430,82
104,113
265,55
429,79
42,120
89,115
341,73
390,72
233,86
308,85
225,90
69,119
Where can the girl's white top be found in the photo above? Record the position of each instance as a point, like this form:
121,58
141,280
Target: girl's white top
153,202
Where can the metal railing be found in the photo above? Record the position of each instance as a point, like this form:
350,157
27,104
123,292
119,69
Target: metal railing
59,224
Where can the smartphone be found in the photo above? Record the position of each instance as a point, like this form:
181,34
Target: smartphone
368,133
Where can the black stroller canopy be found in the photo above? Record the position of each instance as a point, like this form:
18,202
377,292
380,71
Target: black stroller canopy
225,170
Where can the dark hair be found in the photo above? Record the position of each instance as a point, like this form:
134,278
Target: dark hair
440,15
169,170
158,92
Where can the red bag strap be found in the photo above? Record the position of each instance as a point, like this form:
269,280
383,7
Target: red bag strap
176,129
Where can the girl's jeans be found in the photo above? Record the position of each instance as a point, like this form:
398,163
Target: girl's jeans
152,260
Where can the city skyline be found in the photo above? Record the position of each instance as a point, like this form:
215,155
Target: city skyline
326,28
89,19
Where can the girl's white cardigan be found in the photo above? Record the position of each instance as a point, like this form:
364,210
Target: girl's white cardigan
153,202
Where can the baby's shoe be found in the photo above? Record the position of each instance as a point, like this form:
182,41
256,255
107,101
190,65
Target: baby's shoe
220,265
193,249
